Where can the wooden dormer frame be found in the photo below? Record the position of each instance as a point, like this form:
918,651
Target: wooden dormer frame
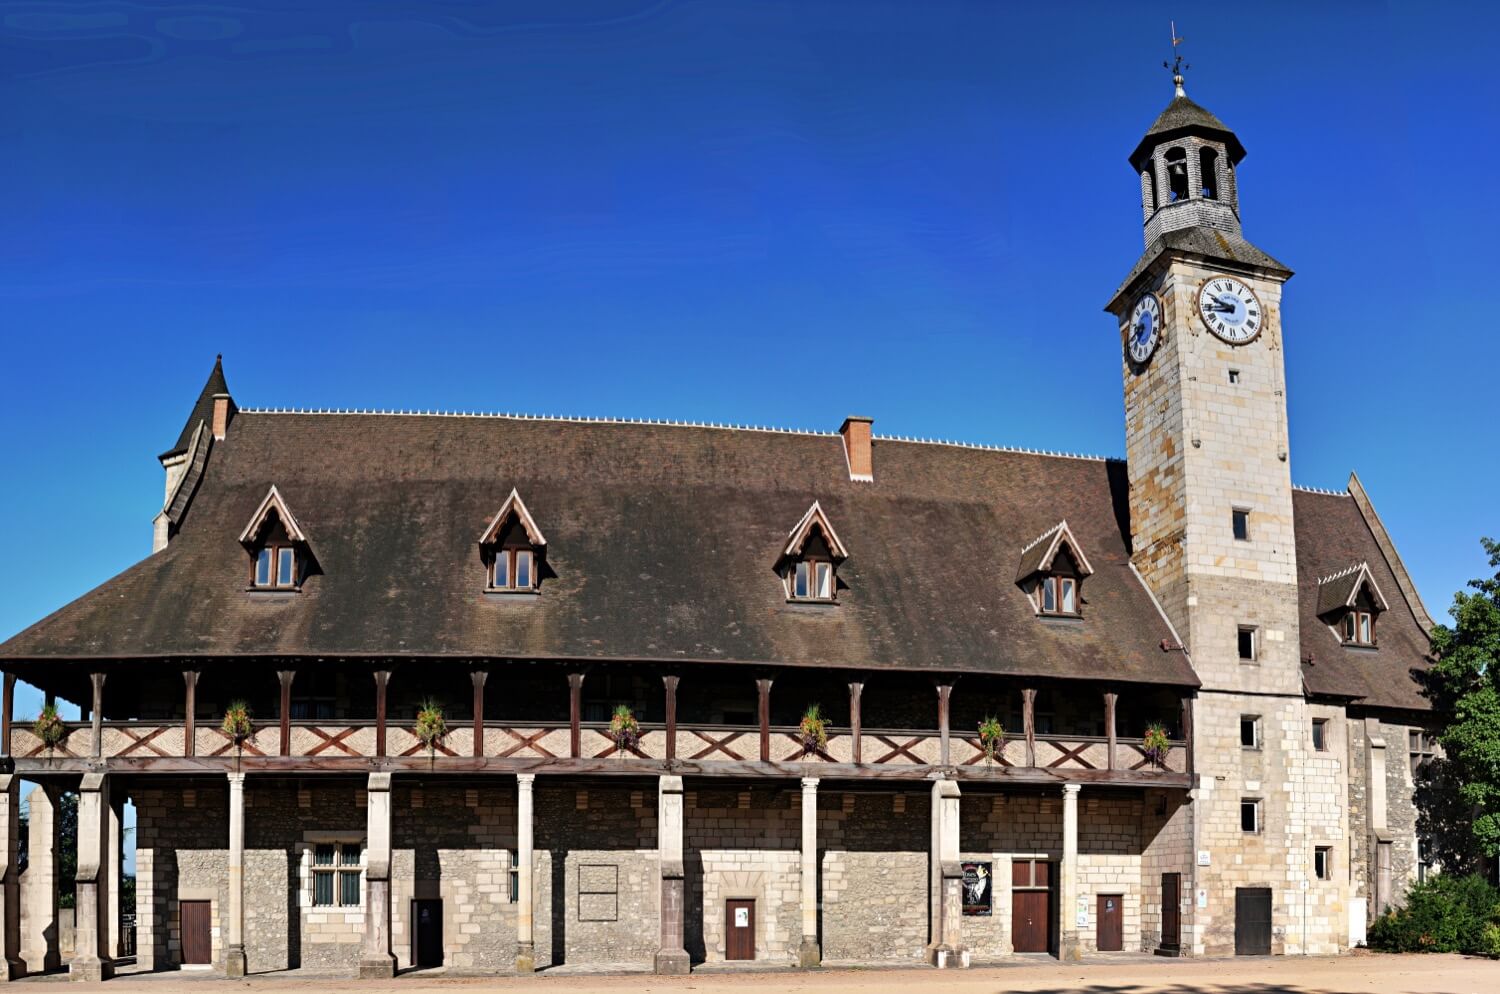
1338,605
273,501
513,503
494,554
798,536
1039,554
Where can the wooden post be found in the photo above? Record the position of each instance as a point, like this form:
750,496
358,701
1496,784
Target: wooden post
1028,723
575,714
96,746
382,678
1187,730
944,691
669,682
855,690
478,677
286,677
7,706
189,712
763,685
1109,725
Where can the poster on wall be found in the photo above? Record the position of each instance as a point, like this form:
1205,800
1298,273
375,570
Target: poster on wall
978,889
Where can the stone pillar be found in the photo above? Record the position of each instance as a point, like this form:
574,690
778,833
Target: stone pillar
948,877
1068,947
234,946
375,959
525,950
39,947
116,861
808,954
10,890
91,959
672,957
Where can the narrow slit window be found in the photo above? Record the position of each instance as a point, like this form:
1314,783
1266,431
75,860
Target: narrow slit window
1249,732
1240,521
1250,816
1320,734
1323,862
1247,644
1234,376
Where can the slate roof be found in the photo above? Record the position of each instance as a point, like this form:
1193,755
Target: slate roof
1183,116
203,408
1204,242
662,545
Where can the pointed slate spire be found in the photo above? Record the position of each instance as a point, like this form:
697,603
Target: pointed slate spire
1184,117
203,410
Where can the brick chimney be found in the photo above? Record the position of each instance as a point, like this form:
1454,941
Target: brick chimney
856,432
223,411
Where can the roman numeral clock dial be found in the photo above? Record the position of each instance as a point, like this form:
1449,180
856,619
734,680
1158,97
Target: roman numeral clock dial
1230,309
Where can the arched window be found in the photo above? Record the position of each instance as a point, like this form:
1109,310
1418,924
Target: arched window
1208,172
1177,176
1148,190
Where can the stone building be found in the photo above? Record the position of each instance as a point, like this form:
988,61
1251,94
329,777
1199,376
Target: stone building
1205,679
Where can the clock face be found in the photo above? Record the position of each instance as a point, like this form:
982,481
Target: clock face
1145,328
1230,309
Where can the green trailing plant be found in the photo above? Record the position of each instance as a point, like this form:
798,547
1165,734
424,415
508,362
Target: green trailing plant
49,727
1443,914
1155,743
991,737
624,730
237,724
813,728
431,727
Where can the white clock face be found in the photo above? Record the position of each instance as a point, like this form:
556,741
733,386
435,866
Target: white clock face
1230,309
1145,328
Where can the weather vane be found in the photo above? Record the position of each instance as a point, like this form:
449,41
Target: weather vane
1176,65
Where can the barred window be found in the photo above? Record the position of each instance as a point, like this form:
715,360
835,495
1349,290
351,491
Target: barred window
336,875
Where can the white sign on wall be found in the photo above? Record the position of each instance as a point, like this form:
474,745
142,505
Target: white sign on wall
1081,914
1202,857
1202,897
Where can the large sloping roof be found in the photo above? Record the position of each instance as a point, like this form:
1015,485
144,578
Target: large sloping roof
663,540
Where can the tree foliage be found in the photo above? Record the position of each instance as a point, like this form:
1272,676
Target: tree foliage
1466,692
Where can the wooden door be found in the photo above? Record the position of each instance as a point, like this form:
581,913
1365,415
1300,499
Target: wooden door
1110,934
1031,911
427,933
1171,912
197,941
1252,921
739,929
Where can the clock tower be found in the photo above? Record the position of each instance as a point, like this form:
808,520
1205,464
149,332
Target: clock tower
1200,326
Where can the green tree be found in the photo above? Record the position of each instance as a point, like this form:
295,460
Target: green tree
1465,689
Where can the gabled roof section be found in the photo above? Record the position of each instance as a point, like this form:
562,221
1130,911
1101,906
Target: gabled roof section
272,502
798,537
513,505
1340,590
203,409
1038,555
197,457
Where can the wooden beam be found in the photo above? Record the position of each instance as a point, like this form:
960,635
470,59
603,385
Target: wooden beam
1187,731
1028,723
96,742
478,677
856,690
382,678
763,688
7,709
286,677
1109,725
944,692
575,714
669,684
189,712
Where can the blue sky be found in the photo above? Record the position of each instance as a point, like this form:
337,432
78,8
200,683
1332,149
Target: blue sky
752,212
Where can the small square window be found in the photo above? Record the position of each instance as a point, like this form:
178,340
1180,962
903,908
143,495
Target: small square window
1247,643
1323,862
1249,731
1320,734
1234,376
1241,522
1250,816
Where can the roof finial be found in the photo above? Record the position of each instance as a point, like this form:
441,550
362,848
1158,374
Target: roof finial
1176,65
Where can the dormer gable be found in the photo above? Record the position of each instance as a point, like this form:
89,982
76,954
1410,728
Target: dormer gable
1350,601
280,556
512,548
1051,572
810,559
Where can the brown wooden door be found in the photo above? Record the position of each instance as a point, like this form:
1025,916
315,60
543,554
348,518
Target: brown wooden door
1031,913
1252,921
1171,911
1110,937
739,929
197,942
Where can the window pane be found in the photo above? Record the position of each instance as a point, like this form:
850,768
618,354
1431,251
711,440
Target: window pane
285,568
502,568
799,585
1364,629
323,854
1248,813
349,854
1319,730
1067,595
263,568
1241,525
1348,628
1247,643
322,890
1247,732
1049,595
825,580
349,890
523,569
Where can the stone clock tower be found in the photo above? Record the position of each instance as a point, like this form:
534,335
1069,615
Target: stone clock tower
1211,530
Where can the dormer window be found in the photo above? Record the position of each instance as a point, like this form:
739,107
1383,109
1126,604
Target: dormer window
279,554
512,547
1052,571
1350,602
809,562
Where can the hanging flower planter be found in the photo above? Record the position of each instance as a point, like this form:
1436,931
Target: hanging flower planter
812,730
1155,744
237,724
624,730
49,727
431,727
991,737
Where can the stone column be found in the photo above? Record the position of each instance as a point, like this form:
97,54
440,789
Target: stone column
39,947
91,959
672,957
948,877
376,960
10,891
525,950
116,860
808,953
1068,947
234,946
